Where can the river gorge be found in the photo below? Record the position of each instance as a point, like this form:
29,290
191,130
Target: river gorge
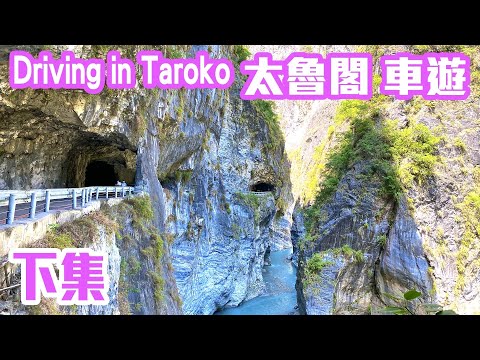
249,207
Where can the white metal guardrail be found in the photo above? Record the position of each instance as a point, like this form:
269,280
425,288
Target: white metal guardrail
18,204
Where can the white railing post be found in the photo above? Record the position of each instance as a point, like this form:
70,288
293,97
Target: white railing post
47,201
74,199
11,209
33,205
87,195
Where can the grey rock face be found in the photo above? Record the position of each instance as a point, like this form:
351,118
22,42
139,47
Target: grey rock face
424,246
281,232
107,245
197,152
403,264
297,232
221,229
319,298
357,217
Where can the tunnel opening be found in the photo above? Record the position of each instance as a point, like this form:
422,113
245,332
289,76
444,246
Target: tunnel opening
100,161
100,173
49,152
262,187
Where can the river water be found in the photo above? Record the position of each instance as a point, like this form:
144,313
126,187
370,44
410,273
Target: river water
280,297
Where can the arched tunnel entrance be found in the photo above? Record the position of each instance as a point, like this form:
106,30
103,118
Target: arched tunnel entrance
100,173
41,151
100,161
262,187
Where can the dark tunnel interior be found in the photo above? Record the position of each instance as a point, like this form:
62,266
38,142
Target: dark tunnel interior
262,187
100,173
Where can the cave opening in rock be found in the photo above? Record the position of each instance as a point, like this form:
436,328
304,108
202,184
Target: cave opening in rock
100,161
100,173
262,187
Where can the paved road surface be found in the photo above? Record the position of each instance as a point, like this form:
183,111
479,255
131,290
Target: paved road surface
22,211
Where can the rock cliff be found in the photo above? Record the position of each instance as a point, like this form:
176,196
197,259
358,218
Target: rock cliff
385,192
389,193
204,157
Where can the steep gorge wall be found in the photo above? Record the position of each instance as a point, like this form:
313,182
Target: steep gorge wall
363,245
196,152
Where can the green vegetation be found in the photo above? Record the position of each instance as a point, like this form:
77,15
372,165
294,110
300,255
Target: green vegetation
85,230
141,212
422,49
205,140
241,53
47,306
395,157
349,253
317,262
470,208
313,268
183,176
306,177
123,303
314,174
158,286
141,206
174,52
178,176
134,265
413,151
100,51
266,111
330,131
249,199
307,48
179,111
460,144
405,306
375,50
351,109
281,205
154,253
320,260
80,232
59,240
53,227
471,51
382,240
253,201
